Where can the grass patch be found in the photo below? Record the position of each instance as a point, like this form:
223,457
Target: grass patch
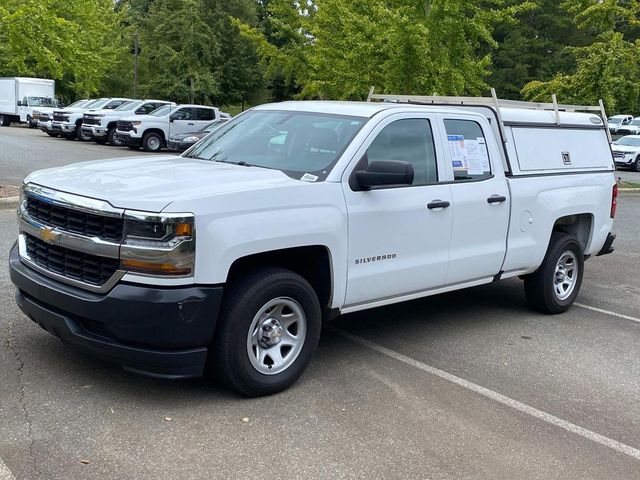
625,184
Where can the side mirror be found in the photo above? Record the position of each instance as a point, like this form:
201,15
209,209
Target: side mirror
385,172
172,118
19,103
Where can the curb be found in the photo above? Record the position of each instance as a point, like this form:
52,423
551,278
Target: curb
9,203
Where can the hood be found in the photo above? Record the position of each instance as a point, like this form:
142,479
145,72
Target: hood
100,111
153,183
45,109
625,148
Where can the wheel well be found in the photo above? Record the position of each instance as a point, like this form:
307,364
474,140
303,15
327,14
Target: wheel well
112,125
313,263
578,225
78,122
154,130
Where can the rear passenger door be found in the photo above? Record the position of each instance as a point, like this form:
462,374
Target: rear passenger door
204,116
397,244
480,201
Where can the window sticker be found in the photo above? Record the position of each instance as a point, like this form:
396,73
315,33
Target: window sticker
458,152
477,157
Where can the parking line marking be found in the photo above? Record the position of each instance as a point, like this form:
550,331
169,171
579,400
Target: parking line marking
498,397
5,473
608,312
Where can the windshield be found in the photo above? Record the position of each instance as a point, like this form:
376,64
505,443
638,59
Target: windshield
162,111
296,143
96,103
78,103
41,102
628,141
127,106
616,120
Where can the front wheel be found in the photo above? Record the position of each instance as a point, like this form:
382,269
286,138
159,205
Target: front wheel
269,329
152,142
555,285
30,123
636,165
112,138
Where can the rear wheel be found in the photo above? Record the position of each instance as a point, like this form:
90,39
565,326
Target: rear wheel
636,164
555,285
112,138
152,142
269,329
4,121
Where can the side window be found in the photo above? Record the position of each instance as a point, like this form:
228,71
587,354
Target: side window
24,102
113,104
469,153
145,109
205,114
183,114
409,140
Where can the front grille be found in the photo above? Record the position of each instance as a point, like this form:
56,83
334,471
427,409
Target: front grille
90,120
44,117
125,126
78,266
60,117
87,224
618,155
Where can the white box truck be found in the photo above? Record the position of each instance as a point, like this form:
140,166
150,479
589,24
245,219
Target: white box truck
19,96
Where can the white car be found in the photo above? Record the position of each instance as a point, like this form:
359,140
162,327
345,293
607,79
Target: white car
632,128
618,121
67,122
226,260
626,152
152,131
44,116
101,124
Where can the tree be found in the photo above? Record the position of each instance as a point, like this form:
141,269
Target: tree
72,41
609,67
337,49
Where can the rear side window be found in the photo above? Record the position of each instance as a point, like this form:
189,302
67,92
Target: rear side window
146,108
409,140
114,104
468,147
184,114
205,114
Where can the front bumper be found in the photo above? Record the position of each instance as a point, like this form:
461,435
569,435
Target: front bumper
128,140
63,127
95,132
178,146
44,126
156,331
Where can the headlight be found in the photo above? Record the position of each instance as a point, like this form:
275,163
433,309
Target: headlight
136,123
159,245
191,139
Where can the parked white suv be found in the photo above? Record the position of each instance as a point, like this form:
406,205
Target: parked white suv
227,259
626,152
67,122
152,131
100,125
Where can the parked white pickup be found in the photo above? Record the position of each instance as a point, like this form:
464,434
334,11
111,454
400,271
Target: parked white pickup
226,259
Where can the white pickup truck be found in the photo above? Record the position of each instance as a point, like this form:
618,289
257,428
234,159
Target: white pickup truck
152,131
100,125
226,260
67,122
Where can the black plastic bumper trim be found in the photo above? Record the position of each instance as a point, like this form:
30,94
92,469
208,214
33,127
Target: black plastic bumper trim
607,248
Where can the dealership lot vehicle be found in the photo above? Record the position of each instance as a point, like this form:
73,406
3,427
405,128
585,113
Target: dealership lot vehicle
270,194
45,117
626,152
19,96
633,128
617,122
383,419
100,125
67,122
181,141
152,131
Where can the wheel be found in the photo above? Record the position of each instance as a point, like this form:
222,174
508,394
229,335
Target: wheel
152,142
80,135
636,164
4,121
267,333
29,122
112,138
555,285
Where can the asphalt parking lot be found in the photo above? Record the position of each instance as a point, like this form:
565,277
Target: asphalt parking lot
470,384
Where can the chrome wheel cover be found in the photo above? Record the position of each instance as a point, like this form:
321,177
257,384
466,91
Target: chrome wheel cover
566,275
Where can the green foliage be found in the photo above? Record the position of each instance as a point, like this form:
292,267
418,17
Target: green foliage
609,67
72,41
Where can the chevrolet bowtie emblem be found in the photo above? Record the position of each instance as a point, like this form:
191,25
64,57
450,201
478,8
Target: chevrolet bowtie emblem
48,235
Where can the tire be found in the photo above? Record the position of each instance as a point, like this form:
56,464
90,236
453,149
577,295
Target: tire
152,142
553,288
636,165
252,304
112,139
82,136
29,124
4,121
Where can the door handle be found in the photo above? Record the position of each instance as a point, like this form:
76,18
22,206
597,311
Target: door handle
190,123
438,204
496,199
